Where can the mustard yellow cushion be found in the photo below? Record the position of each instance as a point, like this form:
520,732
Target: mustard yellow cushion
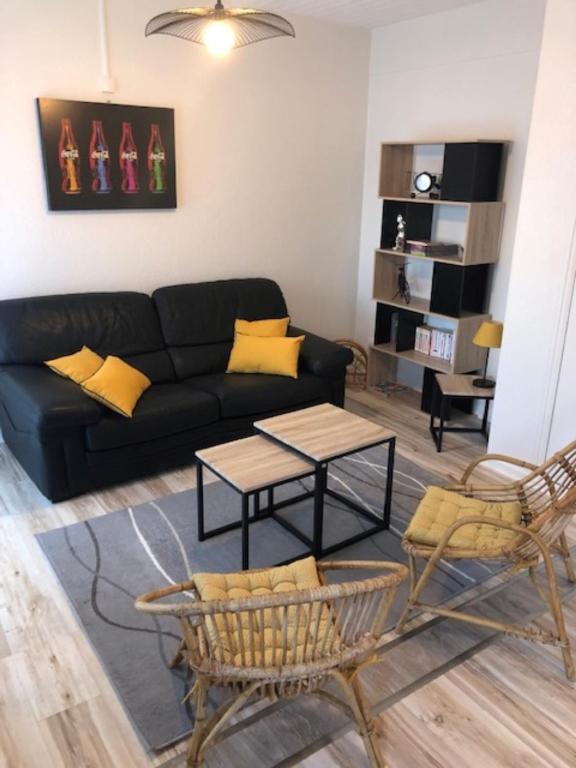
264,627
440,508
78,367
272,327
257,354
117,385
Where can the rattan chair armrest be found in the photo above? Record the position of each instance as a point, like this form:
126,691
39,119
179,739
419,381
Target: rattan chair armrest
495,457
148,603
358,565
480,490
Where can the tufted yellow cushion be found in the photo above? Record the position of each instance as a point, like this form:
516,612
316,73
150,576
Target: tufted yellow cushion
257,354
117,385
78,367
440,508
264,626
272,327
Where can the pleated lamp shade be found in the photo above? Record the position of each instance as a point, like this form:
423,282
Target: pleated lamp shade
489,335
229,28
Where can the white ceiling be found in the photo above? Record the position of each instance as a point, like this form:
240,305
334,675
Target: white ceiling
363,13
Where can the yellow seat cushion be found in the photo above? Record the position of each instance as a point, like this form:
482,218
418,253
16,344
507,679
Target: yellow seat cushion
257,354
265,627
78,367
117,385
272,327
440,508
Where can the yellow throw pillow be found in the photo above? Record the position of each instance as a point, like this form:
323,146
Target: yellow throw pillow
272,327
78,367
256,354
117,385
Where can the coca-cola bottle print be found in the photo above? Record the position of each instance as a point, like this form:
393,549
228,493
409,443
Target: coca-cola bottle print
128,161
156,161
69,159
99,160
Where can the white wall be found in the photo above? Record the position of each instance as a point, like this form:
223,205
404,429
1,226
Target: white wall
270,147
544,264
461,75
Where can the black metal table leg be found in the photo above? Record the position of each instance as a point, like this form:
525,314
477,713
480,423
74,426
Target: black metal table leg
433,405
270,500
245,532
200,500
485,418
257,505
319,489
444,404
389,483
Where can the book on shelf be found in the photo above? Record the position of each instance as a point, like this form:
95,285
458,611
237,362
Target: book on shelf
434,342
431,248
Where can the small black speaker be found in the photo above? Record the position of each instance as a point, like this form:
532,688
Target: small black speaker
471,171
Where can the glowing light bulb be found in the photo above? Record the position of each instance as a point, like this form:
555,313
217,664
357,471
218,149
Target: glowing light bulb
219,38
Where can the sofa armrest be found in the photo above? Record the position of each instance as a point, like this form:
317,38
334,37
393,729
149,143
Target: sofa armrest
320,356
37,400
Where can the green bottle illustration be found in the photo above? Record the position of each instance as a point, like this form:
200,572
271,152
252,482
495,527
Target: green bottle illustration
156,161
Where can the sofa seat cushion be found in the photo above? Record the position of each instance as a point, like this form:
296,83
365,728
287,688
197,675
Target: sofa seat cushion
164,409
246,394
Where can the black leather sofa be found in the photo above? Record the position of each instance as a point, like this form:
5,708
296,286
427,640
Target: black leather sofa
180,337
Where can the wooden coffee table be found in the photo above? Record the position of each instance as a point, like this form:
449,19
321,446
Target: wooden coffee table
249,466
322,434
290,447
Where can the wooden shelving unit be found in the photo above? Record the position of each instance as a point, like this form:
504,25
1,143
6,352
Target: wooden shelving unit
480,217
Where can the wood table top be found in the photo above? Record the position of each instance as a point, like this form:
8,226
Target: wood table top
254,463
323,432
461,386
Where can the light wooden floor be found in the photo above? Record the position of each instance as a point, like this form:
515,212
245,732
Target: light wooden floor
509,704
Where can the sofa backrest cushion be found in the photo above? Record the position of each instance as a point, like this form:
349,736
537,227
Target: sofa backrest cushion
197,319
124,324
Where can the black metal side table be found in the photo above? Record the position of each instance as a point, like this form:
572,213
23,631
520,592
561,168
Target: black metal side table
453,387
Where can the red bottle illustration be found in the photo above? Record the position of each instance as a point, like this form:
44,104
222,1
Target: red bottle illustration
69,159
156,161
99,160
128,161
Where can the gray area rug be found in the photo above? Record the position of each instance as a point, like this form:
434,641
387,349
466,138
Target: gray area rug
104,563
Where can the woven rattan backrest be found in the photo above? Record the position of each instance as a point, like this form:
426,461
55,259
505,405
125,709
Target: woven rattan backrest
292,628
549,525
546,485
280,632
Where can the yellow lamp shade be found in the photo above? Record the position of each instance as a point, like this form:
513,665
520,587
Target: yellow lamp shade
489,335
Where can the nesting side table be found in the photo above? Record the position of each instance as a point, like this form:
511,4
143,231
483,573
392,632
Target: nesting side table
453,387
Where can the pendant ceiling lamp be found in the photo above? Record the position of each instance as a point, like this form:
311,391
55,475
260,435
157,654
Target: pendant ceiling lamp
220,29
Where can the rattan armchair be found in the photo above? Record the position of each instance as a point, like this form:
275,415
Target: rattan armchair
547,497
308,637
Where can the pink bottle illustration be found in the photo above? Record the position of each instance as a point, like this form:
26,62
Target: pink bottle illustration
99,160
128,161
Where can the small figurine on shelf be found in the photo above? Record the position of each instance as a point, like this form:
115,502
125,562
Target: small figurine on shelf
400,244
403,285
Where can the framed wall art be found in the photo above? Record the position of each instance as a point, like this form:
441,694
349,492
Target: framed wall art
107,156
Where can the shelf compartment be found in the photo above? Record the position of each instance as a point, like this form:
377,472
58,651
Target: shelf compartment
399,254
470,170
412,356
479,232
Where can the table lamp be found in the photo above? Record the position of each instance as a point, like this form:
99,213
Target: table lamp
489,335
